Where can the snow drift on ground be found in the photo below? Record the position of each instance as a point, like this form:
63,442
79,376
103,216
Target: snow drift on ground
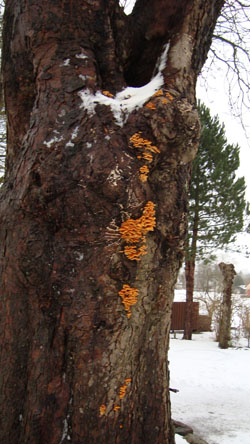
214,384
180,440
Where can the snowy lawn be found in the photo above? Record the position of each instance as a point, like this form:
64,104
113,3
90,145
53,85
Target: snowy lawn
180,440
214,384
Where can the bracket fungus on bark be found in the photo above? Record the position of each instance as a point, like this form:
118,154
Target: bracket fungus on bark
108,94
148,149
150,105
124,387
133,231
164,99
133,253
144,171
102,409
138,142
129,297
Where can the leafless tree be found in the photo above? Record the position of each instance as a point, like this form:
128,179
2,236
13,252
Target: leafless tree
229,56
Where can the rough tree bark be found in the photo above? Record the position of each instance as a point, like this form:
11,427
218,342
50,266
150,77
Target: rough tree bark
228,273
83,325
189,276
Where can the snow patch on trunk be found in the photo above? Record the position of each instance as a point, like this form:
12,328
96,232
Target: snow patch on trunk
65,430
53,140
73,136
69,144
81,56
128,100
66,62
75,132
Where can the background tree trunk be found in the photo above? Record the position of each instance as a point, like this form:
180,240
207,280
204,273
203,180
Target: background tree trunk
84,329
189,274
228,273
190,259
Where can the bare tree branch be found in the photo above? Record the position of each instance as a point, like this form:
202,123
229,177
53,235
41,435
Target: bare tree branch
230,55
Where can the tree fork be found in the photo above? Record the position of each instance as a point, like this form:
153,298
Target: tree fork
76,366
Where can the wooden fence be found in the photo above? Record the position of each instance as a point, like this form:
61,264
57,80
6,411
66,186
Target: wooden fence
199,322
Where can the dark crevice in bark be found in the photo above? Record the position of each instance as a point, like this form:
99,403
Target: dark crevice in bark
19,85
108,45
141,65
151,26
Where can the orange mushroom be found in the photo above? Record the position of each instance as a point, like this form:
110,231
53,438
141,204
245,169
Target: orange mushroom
133,231
129,297
108,94
150,105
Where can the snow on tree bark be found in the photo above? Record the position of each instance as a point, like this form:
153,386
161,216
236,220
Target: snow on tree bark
74,366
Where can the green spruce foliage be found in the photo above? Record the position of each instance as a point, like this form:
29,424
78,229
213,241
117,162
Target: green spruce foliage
217,197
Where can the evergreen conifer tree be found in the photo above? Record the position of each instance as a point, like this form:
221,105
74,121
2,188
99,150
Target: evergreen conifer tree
216,204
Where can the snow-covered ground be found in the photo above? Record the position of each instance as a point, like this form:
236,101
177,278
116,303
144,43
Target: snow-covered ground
214,384
180,440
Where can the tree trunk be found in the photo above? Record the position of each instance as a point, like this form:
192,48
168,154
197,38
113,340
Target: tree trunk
190,259
228,273
189,273
93,216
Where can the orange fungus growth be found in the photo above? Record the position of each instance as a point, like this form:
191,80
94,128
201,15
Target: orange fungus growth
133,231
147,156
138,142
158,93
169,96
108,94
122,391
102,409
124,387
148,220
133,253
143,177
150,105
146,147
129,297
144,170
